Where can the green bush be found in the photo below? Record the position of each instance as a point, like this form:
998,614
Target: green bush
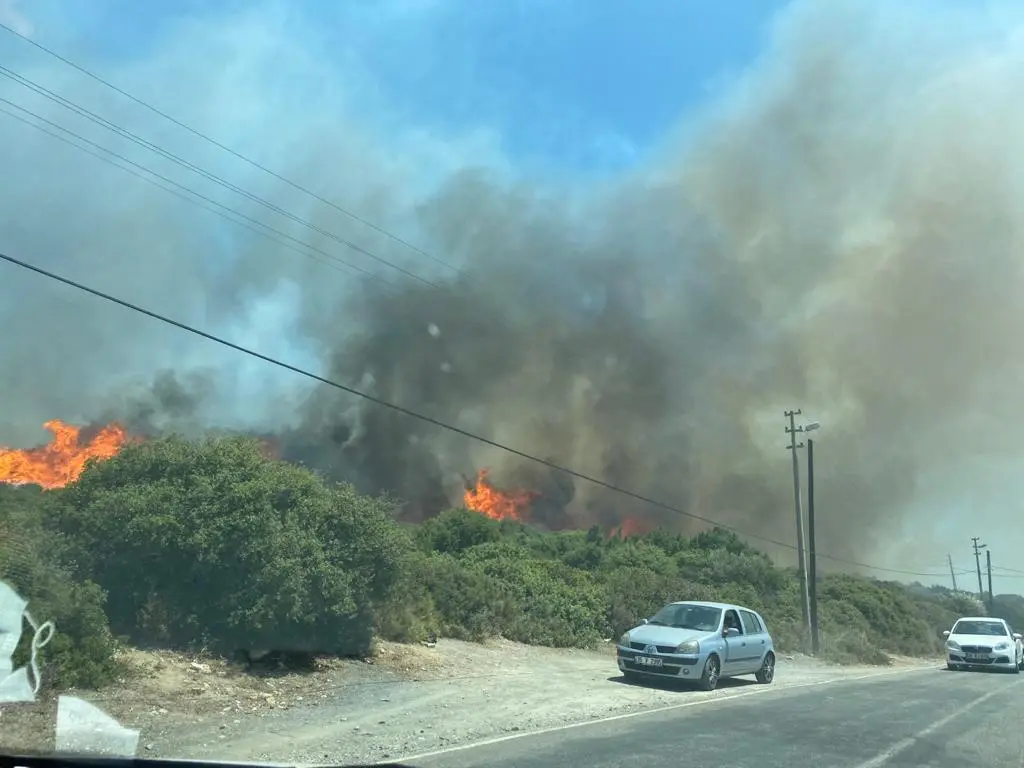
211,544
82,652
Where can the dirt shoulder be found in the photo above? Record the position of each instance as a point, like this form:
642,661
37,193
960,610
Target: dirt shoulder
407,700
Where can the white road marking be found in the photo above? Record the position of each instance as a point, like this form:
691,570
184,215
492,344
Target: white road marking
666,708
883,757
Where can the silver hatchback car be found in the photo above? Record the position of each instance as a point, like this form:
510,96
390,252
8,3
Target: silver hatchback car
699,642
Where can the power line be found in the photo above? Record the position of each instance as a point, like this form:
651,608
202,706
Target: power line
1008,573
349,268
252,222
225,148
427,419
228,150
125,133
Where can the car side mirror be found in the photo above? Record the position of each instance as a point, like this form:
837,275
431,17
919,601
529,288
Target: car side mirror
1016,636
730,632
945,633
643,621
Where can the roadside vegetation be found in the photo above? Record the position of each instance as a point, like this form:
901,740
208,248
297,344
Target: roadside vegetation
212,546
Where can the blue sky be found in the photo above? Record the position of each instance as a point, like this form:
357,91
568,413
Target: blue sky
574,85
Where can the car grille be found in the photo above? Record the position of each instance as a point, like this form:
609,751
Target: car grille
976,648
661,648
667,669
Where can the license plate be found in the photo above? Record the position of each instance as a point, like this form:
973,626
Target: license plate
976,656
647,661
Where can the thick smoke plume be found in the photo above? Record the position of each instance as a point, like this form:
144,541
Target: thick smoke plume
838,231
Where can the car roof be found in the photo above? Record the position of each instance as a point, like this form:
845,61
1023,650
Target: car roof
707,604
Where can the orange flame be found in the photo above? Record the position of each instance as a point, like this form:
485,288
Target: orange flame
631,526
500,505
62,460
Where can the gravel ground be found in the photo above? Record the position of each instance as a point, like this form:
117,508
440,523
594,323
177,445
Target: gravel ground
410,700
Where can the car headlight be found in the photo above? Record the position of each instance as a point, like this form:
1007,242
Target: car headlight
690,646
953,645
1002,646
624,640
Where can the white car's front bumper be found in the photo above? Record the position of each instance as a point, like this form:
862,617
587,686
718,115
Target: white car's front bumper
1006,660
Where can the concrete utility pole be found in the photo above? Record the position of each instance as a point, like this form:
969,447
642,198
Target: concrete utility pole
805,599
977,561
991,597
812,560
952,573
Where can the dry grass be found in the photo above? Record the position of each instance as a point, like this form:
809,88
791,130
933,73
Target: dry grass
175,688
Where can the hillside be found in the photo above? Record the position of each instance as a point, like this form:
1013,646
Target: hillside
213,546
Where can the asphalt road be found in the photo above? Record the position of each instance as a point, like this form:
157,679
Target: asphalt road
928,718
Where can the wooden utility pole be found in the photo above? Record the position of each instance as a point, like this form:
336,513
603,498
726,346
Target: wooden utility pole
952,573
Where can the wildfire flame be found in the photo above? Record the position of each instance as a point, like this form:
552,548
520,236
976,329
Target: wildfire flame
629,527
500,505
62,460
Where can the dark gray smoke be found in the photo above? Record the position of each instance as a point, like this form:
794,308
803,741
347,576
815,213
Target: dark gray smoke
838,231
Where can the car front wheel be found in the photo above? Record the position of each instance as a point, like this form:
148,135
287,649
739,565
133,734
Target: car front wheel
766,673
709,677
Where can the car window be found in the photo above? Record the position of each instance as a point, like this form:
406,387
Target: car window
688,616
751,626
980,627
732,620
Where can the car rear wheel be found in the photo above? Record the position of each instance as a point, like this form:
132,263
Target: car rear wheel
709,677
766,673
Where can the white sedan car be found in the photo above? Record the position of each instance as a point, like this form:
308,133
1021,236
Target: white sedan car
982,642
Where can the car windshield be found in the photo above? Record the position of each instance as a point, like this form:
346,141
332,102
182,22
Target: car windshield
688,616
995,628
